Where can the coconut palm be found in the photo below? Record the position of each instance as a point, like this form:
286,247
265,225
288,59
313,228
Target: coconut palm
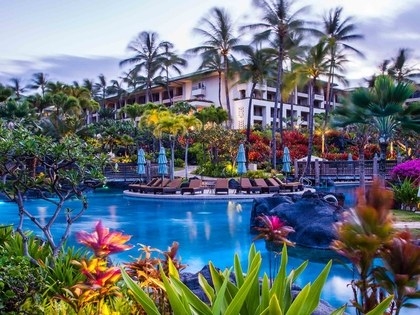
148,57
309,70
278,22
192,124
211,60
383,108
218,32
102,88
170,62
16,87
39,81
337,33
399,70
257,68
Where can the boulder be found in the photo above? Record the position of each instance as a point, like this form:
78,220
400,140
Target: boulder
311,216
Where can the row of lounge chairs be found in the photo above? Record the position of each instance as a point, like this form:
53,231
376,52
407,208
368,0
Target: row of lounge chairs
220,186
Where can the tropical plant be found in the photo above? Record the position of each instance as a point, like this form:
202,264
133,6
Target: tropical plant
367,233
39,165
278,24
399,70
39,81
407,170
149,55
383,108
217,29
405,194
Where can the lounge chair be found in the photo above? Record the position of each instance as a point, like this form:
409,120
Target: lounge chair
136,187
245,185
266,188
293,186
158,184
221,186
171,188
194,187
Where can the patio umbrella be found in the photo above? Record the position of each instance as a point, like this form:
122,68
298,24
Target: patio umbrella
241,160
141,162
162,162
286,161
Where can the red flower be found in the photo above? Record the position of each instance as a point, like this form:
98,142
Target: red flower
103,242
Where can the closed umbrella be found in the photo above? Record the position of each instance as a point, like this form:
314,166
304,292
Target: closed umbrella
286,161
162,162
241,160
141,162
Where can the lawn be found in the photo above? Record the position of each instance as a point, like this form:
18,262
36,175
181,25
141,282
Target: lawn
406,216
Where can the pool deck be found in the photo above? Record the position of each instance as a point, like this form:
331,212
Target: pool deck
209,195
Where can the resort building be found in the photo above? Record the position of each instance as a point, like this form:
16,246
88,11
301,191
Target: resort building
202,89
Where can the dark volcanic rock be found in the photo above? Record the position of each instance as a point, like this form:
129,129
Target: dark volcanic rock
310,215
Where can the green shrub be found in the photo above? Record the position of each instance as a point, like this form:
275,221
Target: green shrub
405,194
19,281
179,162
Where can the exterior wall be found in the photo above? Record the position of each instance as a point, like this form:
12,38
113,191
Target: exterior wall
203,90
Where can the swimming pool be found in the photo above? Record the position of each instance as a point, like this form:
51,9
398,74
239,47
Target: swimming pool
206,230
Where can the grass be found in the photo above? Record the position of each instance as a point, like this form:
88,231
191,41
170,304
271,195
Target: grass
406,216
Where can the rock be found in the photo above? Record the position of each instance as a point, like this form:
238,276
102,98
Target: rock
311,216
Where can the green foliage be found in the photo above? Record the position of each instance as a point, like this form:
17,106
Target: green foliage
405,194
179,162
19,281
247,295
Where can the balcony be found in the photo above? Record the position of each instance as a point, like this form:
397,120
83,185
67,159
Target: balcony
198,91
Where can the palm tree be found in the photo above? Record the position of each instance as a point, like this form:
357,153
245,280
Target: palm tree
308,71
148,56
278,23
213,61
39,80
170,62
212,115
192,124
383,108
103,88
258,68
336,33
399,70
217,29
17,87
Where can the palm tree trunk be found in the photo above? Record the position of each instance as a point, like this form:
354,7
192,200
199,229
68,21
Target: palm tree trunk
227,92
310,125
171,171
275,111
220,89
248,123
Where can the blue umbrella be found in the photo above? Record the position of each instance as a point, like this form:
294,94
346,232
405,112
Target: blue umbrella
241,160
286,161
141,161
162,162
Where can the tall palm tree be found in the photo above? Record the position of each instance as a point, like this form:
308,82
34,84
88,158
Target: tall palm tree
148,56
278,22
16,87
399,70
337,33
170,62
257,68
213,61
192,124
39,81
103,88
218,32
315,65
383,108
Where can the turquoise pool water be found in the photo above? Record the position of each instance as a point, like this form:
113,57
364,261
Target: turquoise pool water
205,230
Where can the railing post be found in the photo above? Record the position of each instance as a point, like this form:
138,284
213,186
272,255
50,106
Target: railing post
295,162
375,166
317,179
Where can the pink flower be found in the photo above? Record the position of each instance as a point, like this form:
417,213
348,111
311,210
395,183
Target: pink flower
103,242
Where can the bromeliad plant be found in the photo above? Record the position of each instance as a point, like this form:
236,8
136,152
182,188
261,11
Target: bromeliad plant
275,232
97,291
367,234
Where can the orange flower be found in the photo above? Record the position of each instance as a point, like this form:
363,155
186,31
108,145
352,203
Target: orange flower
103,242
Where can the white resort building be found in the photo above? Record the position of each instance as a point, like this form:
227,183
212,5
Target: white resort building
201,89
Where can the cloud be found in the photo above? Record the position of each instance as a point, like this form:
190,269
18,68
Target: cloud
63,68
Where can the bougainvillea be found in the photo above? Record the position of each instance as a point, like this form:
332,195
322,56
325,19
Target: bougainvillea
407,170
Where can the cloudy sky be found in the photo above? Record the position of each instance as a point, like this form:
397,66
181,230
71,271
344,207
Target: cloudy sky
73,40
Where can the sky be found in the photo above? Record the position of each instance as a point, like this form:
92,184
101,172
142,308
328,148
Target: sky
78,39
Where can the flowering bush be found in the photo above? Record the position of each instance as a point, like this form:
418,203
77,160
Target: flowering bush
407,170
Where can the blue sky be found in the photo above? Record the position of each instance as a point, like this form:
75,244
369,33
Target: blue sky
73,40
